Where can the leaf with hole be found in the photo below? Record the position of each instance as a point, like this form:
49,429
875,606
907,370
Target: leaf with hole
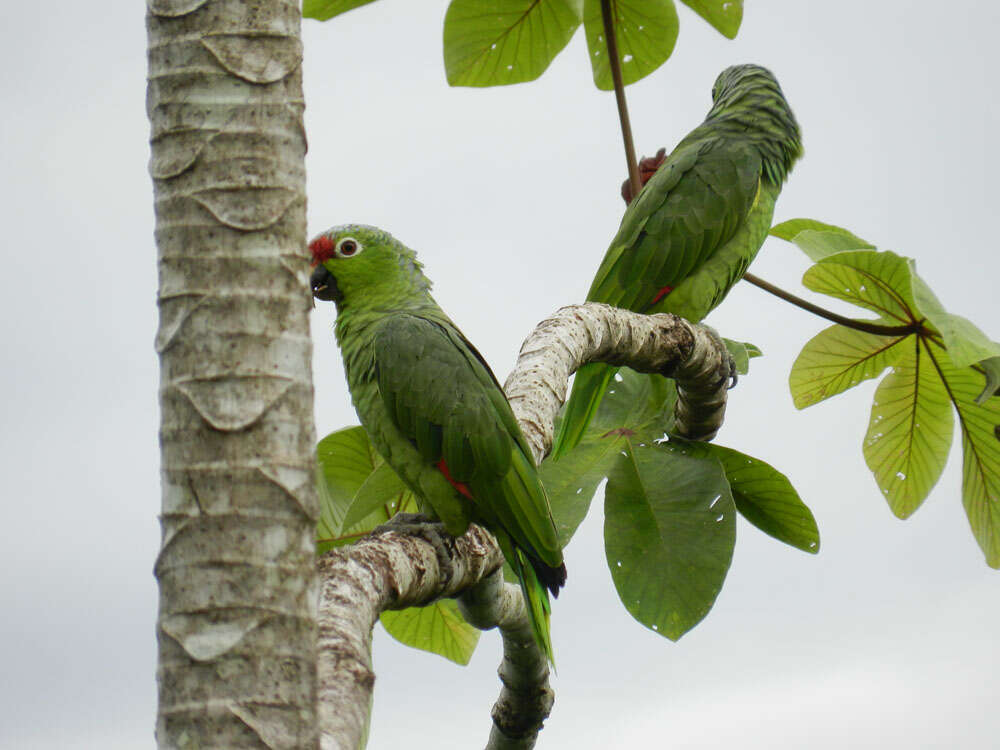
645,30
669,531
766,498
724,15
500,42
909,432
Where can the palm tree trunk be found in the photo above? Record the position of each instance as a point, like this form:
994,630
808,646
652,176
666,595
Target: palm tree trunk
236,625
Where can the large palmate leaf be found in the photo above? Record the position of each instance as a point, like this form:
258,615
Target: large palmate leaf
645,31
669,531
909,434
500,42
939,361
437,627
839,358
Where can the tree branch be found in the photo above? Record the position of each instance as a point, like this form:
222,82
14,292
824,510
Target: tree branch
394,570
593,332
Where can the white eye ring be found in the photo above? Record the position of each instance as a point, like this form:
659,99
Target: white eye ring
348,247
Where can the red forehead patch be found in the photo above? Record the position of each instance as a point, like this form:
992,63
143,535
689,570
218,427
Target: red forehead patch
321,249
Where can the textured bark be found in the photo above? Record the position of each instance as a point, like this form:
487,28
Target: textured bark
393,570
593,332
390,570
236,625
525,698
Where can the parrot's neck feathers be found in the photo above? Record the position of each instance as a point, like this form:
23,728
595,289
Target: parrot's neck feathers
750,105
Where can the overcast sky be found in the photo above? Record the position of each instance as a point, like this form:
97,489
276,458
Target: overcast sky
885,639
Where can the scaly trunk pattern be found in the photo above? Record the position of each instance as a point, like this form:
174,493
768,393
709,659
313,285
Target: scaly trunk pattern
236,625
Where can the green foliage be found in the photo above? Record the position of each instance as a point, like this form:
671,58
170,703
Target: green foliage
646,31
359,491
324,10
909,434
669,532
766,498
942,366
742,352
724,15
499,42
438,628
839,358
670,505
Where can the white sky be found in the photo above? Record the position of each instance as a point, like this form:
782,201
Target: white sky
886,639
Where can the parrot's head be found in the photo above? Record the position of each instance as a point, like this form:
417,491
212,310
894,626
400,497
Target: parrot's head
747,100
355,263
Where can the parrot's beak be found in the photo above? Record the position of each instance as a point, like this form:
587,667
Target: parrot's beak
324,285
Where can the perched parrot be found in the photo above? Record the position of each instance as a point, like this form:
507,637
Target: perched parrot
433,408
698,222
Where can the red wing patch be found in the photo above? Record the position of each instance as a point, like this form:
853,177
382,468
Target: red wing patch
443,468
661,294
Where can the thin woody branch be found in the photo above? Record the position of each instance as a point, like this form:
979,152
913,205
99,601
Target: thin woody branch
393,570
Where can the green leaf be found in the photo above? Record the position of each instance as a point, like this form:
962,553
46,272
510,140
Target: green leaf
645,30
966,343
345,461
909,433
669,531
879,281
724,15
765,497
980,452
991,370
500,42
571,482
324,10
382,488
817,239
635,404
838,358
437,627
742,353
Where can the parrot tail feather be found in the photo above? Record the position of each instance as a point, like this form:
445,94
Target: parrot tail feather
536,597
589,386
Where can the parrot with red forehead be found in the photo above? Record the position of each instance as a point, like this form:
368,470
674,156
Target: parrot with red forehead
433,408
697,224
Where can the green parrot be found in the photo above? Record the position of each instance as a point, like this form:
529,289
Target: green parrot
433,408
697,224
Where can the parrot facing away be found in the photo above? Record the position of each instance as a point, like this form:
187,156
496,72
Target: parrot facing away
433,408
697,224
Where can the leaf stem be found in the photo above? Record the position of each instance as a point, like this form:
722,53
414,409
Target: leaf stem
858,325
636,183
616,77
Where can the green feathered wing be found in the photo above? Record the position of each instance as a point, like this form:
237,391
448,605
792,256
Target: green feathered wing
682,244
441,396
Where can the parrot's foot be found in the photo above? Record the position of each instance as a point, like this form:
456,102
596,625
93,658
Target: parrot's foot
426,528
734,375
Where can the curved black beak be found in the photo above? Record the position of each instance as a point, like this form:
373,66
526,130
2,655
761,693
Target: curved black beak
324,285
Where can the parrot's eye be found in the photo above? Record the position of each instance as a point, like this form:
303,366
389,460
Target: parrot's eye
348,247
